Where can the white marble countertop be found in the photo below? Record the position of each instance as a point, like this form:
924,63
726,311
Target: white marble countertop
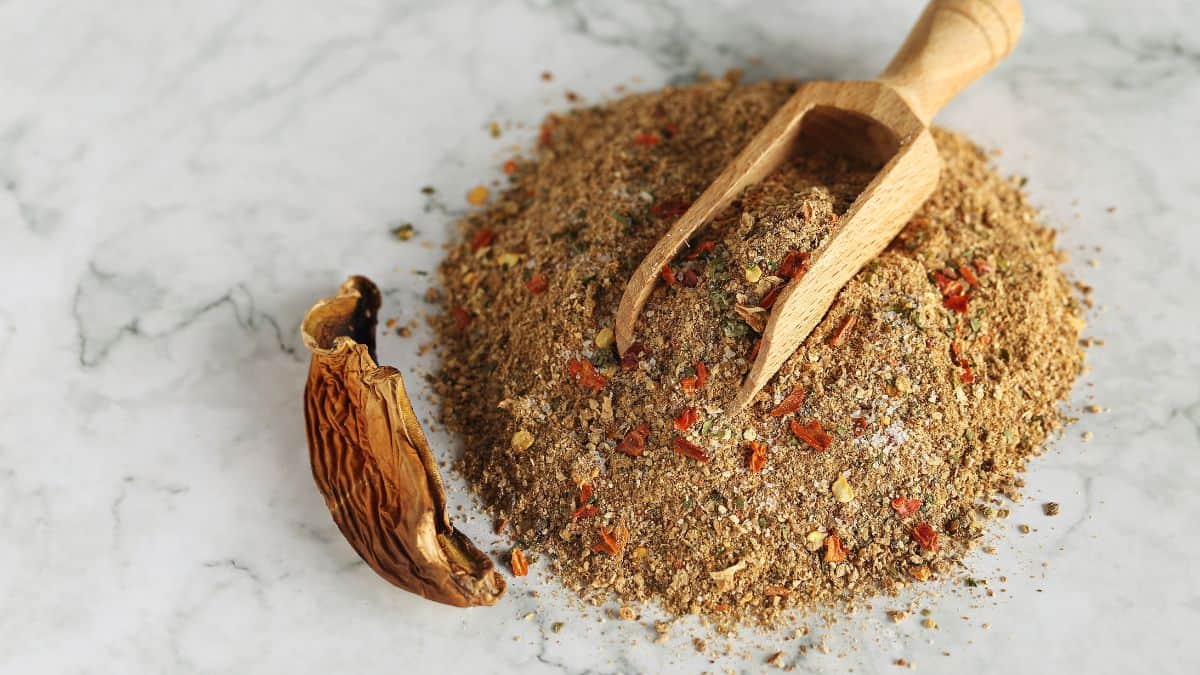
179,181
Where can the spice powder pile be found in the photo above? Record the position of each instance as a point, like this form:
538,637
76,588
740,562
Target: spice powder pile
863,466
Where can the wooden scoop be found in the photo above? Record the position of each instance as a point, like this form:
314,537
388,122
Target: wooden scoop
884,122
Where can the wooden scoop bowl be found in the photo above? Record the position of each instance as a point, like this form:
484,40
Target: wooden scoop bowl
885,122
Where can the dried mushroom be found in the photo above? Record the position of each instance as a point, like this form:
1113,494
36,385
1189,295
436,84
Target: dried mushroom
371,462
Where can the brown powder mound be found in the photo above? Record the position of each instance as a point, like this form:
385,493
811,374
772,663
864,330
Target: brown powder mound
932,379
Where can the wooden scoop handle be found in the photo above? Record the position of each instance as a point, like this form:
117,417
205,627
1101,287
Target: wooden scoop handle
952,44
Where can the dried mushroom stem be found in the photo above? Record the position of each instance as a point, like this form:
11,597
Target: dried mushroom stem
371,461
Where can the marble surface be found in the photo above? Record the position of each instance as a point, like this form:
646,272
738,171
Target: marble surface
179,181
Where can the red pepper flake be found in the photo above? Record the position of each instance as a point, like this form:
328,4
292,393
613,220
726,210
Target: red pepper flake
482,239
690,279
631,357
544,136
754,350
756,456
520,566
967,377
968,274
982,266
693,383
585,493
461,318
537,284
957,303
905,507
943,282
686,448
812,434
670,208
647,140
585,374
611,540
634,442
838,337
670,129
790,403
769,298
686,418
585,512
793,264
859,425
926,536
956,353
703,247
509,167
668,275
835,550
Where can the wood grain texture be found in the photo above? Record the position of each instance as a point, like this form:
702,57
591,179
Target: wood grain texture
884,121
372,464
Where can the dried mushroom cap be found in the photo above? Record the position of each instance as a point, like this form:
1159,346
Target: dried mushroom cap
371,462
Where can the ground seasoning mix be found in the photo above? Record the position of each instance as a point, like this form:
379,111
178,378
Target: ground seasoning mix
863,466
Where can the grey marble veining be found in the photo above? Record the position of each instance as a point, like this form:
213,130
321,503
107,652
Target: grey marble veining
178,182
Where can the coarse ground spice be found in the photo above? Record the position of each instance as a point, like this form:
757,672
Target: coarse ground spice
863,466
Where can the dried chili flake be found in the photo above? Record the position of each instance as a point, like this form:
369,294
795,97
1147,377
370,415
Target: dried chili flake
520,566
686,418
812,434
647,140
688,449
670,129
537,284
958,303
969,275
547,130
703,247
668,275
982,266
631,357
859,425
793,264
966,377
756,456
769,298
585,374
838,337
835,550
956,353
905,507
585,512
670,208
461,318
790,403
509,167
585,493
611,540
701,374
482,239
634,442
754,350
690,279
926,536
